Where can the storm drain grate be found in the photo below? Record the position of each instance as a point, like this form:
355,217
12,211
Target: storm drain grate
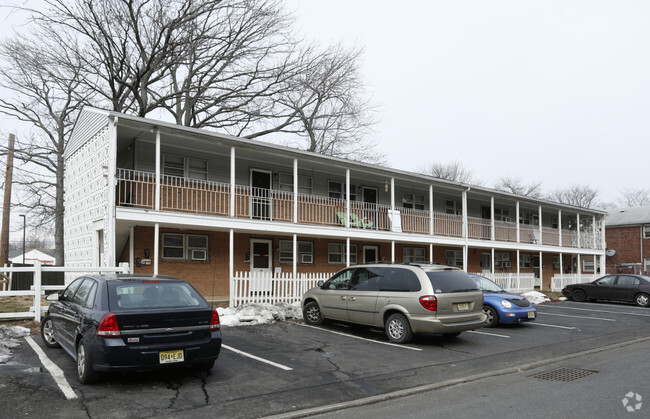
564,374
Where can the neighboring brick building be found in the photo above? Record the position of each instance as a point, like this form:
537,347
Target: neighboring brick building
627,234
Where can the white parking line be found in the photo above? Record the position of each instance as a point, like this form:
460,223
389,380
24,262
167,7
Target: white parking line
54,370
579,317
489,334
602,311
360,338
551,325
257,358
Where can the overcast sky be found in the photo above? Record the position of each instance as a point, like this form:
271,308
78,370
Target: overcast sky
551,91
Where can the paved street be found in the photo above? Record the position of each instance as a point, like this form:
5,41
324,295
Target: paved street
289,367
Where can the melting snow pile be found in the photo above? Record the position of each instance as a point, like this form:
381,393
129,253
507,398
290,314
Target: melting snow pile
536,297
8,340
252,314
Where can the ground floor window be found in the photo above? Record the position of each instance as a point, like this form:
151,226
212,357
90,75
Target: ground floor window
556,262
454,258
305,251
524,261
336,253
184,246
502,260
414,254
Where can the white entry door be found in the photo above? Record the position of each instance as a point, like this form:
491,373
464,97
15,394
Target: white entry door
261,260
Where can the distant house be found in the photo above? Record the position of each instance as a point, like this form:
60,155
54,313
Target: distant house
204,206
627,234
44,256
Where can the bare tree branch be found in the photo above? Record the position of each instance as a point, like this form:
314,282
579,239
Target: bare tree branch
453,171
515,186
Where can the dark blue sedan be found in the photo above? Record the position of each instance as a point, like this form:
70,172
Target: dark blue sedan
501,306
132,322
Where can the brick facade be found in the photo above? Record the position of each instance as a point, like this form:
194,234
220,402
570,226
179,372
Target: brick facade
631,249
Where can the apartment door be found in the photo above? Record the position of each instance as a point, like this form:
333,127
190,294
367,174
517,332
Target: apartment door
370,254
486,262
261,194
261,263
370,214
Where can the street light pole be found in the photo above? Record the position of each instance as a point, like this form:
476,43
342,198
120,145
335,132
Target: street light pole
24,222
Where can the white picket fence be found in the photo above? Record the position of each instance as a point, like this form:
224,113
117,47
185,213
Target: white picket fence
38,290
560,281
512,282
263,287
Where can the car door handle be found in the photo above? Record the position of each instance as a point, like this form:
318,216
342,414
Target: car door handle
343,297
352,299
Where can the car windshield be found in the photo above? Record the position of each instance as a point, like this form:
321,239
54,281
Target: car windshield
451,281
485,284
136,295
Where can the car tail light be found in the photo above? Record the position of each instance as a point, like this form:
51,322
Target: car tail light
430,302
108,327
214,321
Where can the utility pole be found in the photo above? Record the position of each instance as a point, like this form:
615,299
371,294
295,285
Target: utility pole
6,206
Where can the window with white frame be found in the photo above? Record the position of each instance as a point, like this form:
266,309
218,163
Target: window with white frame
502,260
501,214
524,261
414,254
184,246
336,190
588,265
305,251
454,258
185,167
453,207
336,253
646,231
415,201
556,262
304,183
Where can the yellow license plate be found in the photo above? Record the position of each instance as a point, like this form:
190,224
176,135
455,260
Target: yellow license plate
463,306
531,315
168,357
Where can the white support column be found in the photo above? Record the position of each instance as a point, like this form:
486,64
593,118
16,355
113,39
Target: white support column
158,174
465,255
578,230
392,251
295,256
465,226
392,195
231,267
295,193
595,268
347,205
559,224
431,252
38,286
493,234
518,232
579,268
593,225
603,241
541,239
517,262
492,263
541,270
431,231
347,252
131,249
561,270
233,194
156,241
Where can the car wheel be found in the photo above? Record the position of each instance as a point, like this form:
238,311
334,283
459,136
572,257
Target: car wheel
47,333
642,299
312,315
578,295
85,372
398,328
492,316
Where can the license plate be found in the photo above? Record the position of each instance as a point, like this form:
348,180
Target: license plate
531,315
463,306
168,357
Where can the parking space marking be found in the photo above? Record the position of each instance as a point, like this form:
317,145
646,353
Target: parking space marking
600,304
53,369
360,338
552,325
603,311
257,358
489,334
579,317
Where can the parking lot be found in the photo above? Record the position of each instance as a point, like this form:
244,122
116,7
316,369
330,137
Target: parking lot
285,367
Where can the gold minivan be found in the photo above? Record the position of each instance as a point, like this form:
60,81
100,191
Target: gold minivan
405,299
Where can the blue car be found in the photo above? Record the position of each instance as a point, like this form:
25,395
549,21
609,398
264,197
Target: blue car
501,306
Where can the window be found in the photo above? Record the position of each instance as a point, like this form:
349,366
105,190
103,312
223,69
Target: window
502,260
304,183
336,253
185,246
529,218
627,280
414,201
501,215
556,262
305,251
524,261
414,254
588,265
400,280
454,258
336,190
606,280
452,207
185,167
367,279
340,281
646,231
81,296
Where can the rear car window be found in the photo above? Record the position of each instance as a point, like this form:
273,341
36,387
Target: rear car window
400,280
144,295
451,281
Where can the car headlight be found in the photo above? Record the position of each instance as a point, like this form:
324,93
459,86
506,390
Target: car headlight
506,303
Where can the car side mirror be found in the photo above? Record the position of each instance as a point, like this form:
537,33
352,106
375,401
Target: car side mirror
53,297
320,283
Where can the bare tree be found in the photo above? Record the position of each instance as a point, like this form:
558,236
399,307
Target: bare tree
631,197
577,195
453,171
515,186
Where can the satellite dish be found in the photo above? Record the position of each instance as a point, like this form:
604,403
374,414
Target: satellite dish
610,252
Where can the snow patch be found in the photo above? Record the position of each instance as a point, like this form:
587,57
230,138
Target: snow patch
252,314
536,297
8,340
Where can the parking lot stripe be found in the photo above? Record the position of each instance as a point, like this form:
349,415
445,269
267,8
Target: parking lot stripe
603,311
360,338
257,358
579,317
489,334
54,370
551,325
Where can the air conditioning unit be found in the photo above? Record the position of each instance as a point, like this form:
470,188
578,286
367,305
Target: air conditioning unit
507,264
306,258
199,254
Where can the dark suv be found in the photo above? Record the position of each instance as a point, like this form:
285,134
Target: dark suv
403,298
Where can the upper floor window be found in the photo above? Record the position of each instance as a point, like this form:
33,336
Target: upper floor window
414,254
305,251
646,231
185,167
304,183
453,207
184,246
414,201
336,190
501,214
